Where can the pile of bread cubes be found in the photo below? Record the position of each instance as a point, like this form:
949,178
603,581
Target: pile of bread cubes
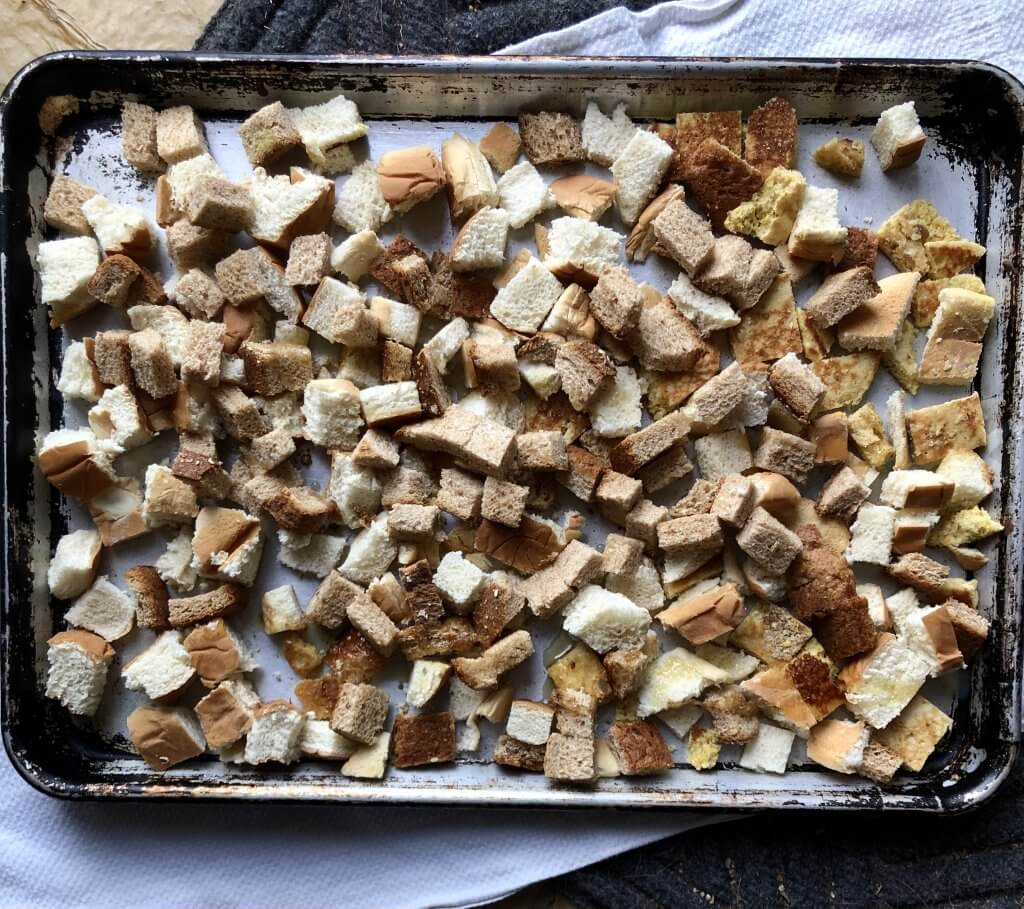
479,391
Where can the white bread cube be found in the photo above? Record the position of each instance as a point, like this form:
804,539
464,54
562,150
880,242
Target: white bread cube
118,228
617,410
425,681
971,478
275,734
735,663
723,453
183,177
459,580
446,343
371,553
681,719
876,604
399,321
316,554
281,611
530,722
324,127
73,566
838,745
915,489
354,256
605,620
768,751
638,171
280,206
390,403
523,193
677,676
897,137
78,376
523,303
77,670
290,333
709,313
118,417
355,490
65,267
227,545
360,204
103,609
369,762
320,741
605,138
174,565
642,586
332,410
545,380
481,241
817,233
871,539
578,245
891,677
167,321
162,669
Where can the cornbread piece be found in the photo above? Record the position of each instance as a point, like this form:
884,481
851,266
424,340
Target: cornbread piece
360,712
769,543
150,596
872,535
841,294
841,156
903,235
869,436
702,748
898,137
720,179
268,135
964,527
771,211
953,425
842,494
550,138
817,233
846,379
877,324
707,616
926,297
179,134
789,455
724,126
639,748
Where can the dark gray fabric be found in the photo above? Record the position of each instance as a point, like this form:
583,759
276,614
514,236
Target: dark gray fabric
785,860
390,26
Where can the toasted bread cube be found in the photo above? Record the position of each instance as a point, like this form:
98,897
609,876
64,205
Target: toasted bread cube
841,156
616,494
63,207
461,494
272,368
281,611
797,385
781,452
413,522
179,134
768,542
817,233
579,250
585,370
720,179
898,137
542,450
842,494
374,625
360,712
639,748
501,146
309,259
841,294
504,502
616,301
423,739
683,235
676,677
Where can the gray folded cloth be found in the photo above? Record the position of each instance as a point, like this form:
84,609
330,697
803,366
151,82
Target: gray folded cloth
390,26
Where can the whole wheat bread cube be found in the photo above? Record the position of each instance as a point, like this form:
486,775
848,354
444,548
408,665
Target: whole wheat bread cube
179,134
138,137
360,712
268,135
550,138
768,542
63,207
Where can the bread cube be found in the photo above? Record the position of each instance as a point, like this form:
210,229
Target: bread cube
77,664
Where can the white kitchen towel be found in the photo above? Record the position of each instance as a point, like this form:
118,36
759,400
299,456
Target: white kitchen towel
987,30
71,855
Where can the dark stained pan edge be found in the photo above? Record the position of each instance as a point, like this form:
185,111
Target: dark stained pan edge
64,760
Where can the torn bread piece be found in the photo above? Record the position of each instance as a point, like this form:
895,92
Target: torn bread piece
580,250
877,324
471,185
360,204
604,138
638,170
523,194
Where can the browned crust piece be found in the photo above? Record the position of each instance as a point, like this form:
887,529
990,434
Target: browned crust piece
454,635
724,126
214,604
150,596
466,295
428,738
352,658
720,180
639,747
771,136
526,548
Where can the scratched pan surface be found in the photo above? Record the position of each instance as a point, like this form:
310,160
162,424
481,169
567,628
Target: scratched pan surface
971,170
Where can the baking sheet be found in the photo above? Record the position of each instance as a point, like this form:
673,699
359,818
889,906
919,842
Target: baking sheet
92,155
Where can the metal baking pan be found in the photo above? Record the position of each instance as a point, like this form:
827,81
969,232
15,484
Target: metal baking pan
974,115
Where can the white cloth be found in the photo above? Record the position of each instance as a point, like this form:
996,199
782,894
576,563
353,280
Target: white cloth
70,855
